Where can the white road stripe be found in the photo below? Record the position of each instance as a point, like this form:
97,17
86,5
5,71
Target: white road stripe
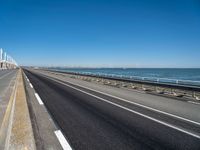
39,99
65,145
141,105
28,80
140,114
31,85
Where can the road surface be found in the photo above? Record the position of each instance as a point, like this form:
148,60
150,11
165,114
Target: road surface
90,119
7,80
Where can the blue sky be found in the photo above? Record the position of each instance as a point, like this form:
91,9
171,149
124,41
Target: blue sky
112,33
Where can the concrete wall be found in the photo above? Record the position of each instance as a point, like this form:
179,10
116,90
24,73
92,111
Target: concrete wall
7,65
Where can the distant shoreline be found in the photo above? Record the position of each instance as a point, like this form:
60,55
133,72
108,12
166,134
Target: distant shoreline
169,74
117,68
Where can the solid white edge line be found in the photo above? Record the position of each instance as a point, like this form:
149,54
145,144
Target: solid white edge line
65,145
141,105
39,99
140,114
31,85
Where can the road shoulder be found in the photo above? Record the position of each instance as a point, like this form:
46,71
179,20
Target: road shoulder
43,125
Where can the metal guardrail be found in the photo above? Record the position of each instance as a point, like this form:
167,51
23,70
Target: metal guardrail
167,81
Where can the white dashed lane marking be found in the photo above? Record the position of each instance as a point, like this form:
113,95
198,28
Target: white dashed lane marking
65,145
39,99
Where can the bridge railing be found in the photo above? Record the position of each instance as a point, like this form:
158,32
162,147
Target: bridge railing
147,79
6,61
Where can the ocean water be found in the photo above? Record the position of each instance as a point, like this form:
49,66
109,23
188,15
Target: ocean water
192,74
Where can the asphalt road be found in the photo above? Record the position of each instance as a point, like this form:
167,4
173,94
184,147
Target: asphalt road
7,80
92,120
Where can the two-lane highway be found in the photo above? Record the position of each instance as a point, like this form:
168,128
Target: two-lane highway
92,120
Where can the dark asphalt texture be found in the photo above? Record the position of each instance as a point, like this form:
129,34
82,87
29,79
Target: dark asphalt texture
89,123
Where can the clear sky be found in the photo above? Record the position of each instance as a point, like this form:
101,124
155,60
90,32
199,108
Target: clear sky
112,33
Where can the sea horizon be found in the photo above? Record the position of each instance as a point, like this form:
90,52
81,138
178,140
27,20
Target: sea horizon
117,67
192,74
